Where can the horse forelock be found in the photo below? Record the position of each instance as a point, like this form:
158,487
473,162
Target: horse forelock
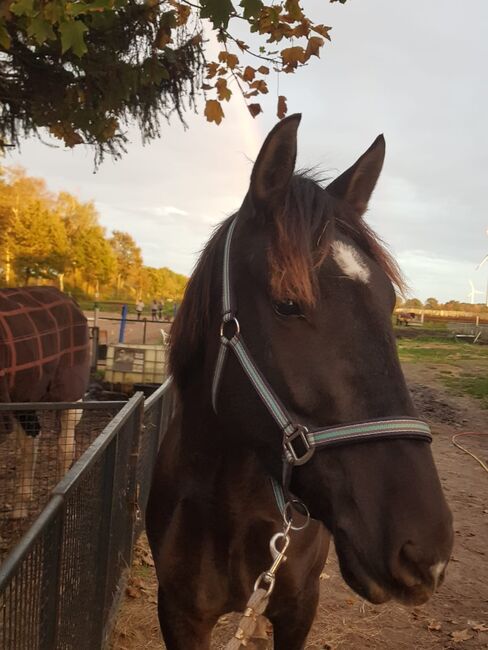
301,240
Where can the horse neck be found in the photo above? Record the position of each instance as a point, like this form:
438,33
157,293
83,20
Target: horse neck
210,459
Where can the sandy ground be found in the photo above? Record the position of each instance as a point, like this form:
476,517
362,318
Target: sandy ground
456,617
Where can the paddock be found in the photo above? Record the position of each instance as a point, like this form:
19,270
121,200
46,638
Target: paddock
67,583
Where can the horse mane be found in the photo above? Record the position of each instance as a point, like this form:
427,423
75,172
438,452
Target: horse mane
303,233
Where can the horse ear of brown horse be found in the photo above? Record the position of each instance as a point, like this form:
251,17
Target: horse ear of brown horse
357,183
275,165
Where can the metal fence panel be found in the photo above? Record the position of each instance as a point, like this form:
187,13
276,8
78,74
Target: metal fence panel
60,586
25,489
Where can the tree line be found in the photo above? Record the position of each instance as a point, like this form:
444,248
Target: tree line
450,305
58,239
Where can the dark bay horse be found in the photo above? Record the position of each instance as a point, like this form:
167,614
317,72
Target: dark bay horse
44,357
302,294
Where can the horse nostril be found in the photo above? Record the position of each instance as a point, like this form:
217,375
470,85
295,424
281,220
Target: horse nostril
415,567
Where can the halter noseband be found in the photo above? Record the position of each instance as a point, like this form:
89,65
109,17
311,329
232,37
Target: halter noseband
299,443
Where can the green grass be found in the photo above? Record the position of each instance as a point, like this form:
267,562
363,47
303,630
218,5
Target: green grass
439,350
470,385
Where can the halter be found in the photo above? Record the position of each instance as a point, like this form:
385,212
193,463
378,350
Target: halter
299,442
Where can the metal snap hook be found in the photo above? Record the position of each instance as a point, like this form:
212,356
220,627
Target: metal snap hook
274,550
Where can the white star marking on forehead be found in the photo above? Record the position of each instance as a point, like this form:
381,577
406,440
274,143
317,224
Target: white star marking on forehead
350,262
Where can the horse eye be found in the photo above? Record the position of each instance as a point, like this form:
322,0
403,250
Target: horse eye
287,308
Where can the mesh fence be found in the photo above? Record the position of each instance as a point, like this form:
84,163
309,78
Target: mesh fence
44,442
60,586
157,411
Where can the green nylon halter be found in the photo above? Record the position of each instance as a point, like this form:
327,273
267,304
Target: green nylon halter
299,442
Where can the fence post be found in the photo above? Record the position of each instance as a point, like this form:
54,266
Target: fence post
51,576
144,332
95,343
104,538
133,493
123,322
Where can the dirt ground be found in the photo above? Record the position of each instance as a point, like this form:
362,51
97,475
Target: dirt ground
109,324
456,617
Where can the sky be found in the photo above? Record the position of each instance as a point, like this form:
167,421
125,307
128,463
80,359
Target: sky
414,71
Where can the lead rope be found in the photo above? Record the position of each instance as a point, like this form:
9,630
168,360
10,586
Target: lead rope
265,583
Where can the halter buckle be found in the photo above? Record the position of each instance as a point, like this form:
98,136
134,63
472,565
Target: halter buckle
295,457
224,337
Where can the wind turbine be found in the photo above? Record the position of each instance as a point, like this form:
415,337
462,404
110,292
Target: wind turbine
473,292
485,259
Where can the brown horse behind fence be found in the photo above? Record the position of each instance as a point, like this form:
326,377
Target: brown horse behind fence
44,357
285,364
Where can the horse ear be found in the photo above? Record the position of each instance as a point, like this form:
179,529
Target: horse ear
275,164
357,183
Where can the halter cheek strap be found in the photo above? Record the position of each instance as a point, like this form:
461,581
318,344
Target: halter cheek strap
299,442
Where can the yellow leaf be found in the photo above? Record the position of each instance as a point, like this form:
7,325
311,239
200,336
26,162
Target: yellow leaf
282,107
213,111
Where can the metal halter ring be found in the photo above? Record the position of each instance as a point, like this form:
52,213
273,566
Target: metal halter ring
288,513
294,457
234,320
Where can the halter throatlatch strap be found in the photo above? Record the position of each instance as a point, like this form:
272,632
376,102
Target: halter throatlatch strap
299,442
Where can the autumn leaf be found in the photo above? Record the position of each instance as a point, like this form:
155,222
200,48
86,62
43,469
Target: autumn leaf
223,92
255,109
213,111
478,627
249,73
294,10
241,45
293,55
263,69
323,30
229,59
461,635
282,107
434,626
260,85
313,46
183,14
212,69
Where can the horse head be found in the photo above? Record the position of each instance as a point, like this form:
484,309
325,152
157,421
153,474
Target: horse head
314,293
